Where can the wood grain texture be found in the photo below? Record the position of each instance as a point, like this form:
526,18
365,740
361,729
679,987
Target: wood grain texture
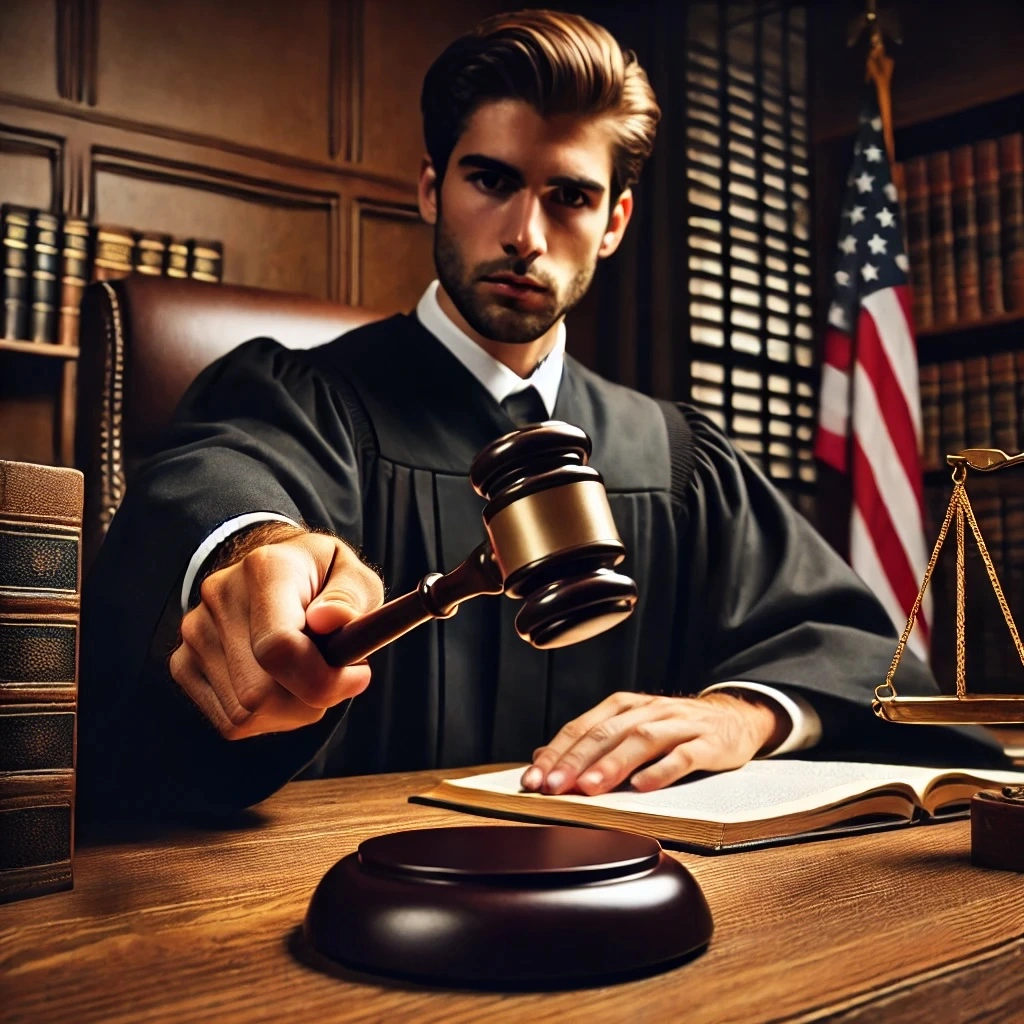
188,924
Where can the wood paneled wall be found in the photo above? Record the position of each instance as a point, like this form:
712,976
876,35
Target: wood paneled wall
287,129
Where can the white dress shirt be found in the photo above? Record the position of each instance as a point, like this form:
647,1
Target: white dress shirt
500,381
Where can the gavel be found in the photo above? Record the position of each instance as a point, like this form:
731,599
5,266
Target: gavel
551,541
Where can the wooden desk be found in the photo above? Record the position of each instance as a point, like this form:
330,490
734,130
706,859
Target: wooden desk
200,926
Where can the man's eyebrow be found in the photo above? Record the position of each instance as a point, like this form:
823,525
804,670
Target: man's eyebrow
490,163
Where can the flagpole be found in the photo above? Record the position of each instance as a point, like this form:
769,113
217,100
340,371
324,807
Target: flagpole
879,71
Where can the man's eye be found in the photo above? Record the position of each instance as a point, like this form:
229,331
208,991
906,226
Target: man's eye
567,195
491,181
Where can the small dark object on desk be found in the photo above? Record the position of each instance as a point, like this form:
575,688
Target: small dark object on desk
997,828
509,907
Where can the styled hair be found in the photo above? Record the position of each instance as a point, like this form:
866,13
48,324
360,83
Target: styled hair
557,63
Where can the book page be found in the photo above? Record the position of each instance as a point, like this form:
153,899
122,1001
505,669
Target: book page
759,790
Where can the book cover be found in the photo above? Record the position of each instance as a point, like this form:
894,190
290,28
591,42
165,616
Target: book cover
977,402
74,275
1011,216
965,235
40,586
45,287
928,384
207,261
115,248
952,414
178,258
150,254
919,241
986,184
16,224
1005,421
940,227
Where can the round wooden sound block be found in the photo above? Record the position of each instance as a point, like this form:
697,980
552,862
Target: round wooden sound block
997,828
508,906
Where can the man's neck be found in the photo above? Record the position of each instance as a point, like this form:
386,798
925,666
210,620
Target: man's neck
521,359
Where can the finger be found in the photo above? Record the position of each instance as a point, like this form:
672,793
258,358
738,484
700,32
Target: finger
350,588
700,754
545,758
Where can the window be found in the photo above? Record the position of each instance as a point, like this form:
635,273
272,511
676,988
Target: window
751,357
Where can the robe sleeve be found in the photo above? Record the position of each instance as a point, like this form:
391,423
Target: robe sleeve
764,598
283,441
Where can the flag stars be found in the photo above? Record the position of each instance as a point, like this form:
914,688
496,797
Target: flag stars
873,154
885,217
865,181
890,192
836,316
856,214
869,272
842,278
902,262
877,244
848,244
876,123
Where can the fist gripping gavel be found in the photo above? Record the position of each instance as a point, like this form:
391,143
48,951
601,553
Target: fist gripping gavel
551,540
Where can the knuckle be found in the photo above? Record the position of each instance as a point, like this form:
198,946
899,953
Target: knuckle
574,730
603,732
574,760
647,733
274,644
237,715
192,631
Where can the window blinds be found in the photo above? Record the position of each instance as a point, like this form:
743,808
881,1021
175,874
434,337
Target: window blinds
748,239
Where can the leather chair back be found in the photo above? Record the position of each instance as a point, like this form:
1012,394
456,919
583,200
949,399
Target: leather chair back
143,341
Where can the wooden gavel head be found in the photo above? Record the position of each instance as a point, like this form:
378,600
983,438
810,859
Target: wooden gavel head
552,534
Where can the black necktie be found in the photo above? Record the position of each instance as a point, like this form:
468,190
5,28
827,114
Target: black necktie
525,407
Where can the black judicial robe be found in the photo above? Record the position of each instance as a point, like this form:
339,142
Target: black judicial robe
371,436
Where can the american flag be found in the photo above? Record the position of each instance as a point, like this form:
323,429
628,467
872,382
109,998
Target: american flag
870,413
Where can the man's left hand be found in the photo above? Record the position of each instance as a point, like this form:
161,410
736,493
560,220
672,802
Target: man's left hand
671,736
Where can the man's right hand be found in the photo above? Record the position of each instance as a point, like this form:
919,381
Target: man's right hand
245,657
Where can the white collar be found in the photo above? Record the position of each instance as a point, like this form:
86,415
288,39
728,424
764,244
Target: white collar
499,380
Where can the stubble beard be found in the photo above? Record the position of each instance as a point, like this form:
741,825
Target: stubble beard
492,316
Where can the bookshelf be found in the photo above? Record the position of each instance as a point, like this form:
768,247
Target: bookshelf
39,348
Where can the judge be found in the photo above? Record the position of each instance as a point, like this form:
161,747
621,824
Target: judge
290,479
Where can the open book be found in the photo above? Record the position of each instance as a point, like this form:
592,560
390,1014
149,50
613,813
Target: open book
764,801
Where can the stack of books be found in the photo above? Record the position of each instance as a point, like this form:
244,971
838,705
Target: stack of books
965,231
48,259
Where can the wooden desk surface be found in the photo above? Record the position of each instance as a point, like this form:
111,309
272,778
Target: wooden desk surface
199,925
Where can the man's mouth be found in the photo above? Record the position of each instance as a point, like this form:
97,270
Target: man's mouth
515,282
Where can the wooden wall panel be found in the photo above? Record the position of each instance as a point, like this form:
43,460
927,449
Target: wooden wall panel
273,237
254,72
392,256
30,169
28,48
395,59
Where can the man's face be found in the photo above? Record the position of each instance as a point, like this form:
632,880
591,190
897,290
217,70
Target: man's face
522,218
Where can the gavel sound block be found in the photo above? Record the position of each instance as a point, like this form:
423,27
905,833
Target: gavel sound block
551,541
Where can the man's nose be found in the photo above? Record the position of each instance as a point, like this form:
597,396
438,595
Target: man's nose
524,227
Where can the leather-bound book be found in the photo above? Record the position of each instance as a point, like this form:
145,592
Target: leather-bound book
1011,215
940,225
986,185
40,577
16,223
114,253
965,235
977,402
178,257
919,240
150,254
45,286
928,384
207,261
952,425
1005,423
74,275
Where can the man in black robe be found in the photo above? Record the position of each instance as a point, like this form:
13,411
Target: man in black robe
201,687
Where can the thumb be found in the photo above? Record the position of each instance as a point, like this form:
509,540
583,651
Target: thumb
350,590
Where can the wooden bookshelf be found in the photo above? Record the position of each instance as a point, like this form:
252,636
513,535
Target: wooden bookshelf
39,348
998,320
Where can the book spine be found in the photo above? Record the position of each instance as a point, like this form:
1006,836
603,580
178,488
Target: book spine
1011,216
965,235
16,263
151,254
919,241
178,258
940,224
977,402
74,274
114,251
40,586
207,261
928,383
1005,424
953,429
986,185
45,272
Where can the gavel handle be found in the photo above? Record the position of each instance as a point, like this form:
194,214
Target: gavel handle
437,597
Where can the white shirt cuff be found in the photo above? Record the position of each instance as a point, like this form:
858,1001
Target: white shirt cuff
215,539
805,725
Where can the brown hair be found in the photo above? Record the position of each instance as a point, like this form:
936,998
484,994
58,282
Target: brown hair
559,64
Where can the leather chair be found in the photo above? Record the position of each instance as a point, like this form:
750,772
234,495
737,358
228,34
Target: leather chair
143,341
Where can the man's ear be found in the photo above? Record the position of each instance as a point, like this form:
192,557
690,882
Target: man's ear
617,222
426,193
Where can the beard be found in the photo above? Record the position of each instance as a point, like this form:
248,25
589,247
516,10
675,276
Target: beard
496,317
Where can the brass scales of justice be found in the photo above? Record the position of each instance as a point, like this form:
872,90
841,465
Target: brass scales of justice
965,708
